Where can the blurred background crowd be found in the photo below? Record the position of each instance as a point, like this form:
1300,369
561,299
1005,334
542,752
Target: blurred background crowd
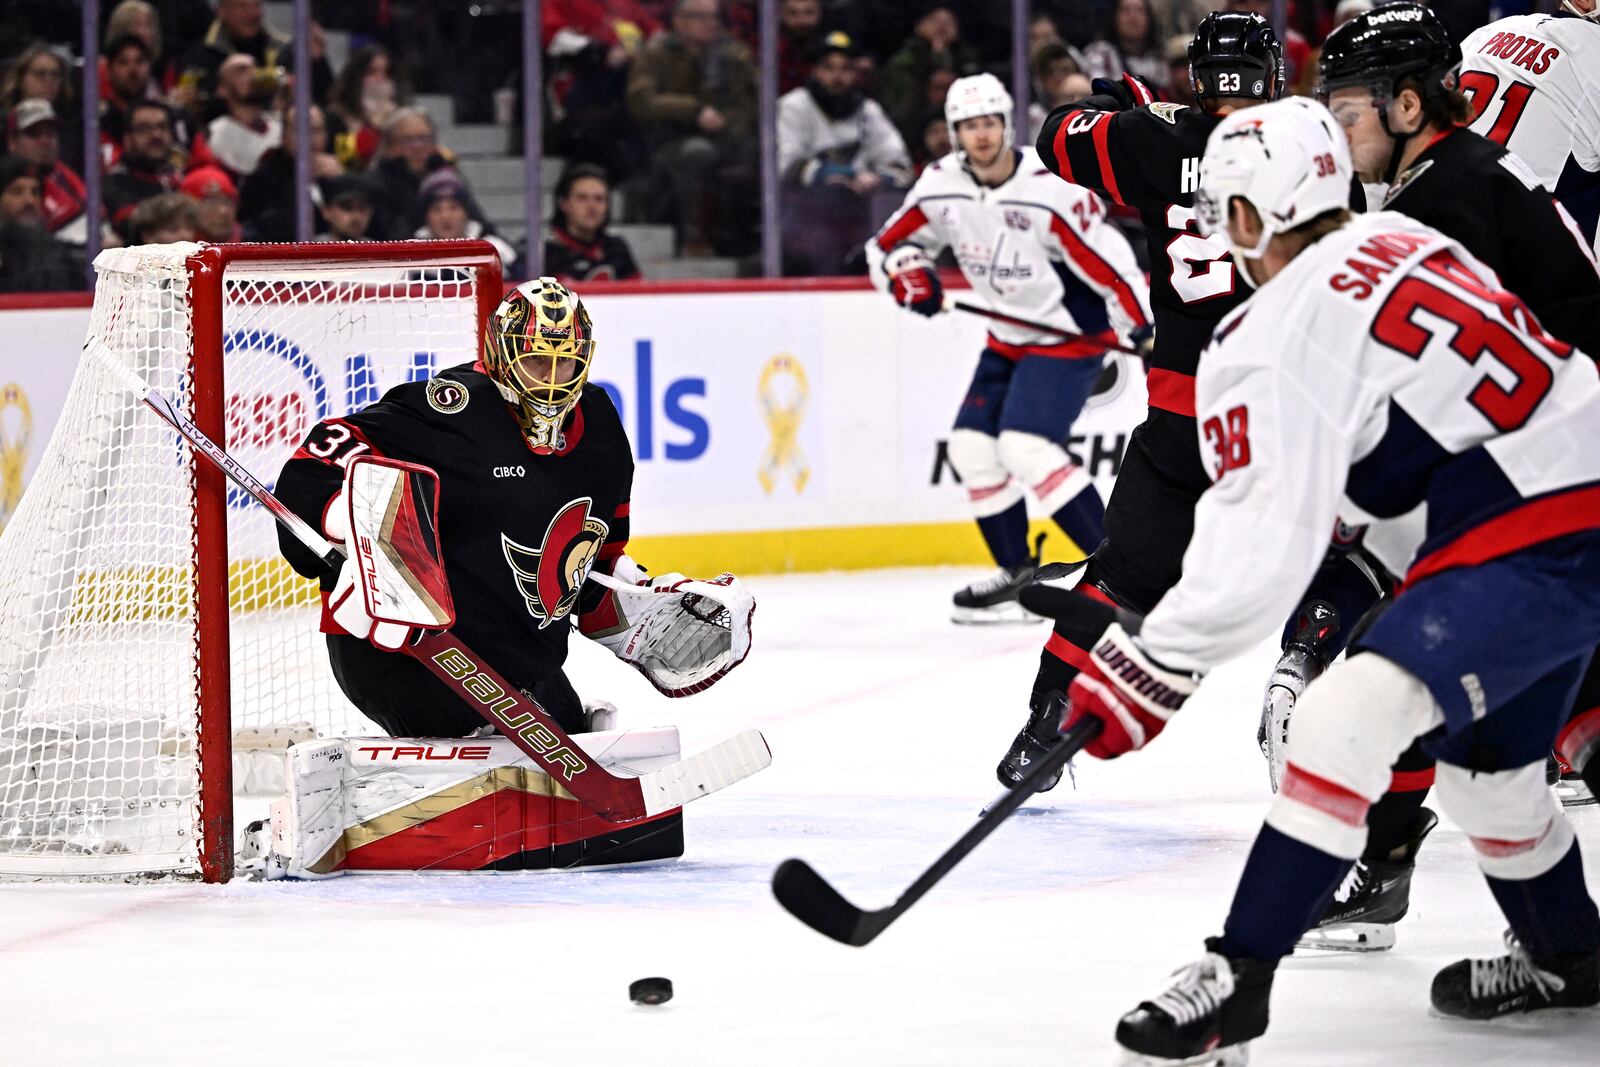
651,161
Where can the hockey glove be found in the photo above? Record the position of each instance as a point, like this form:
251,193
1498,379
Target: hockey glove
1129,91
680,633
913,282
1130,693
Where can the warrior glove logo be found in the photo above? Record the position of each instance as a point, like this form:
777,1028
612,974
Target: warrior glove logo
551,576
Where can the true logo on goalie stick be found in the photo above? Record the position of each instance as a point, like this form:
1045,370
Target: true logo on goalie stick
446,397
550,577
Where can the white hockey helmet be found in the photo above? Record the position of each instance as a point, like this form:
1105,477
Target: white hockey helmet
1287,159
975,95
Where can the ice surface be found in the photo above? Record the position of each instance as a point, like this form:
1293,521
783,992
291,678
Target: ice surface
885,723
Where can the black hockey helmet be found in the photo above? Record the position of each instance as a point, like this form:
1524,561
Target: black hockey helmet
1379,48
1235,53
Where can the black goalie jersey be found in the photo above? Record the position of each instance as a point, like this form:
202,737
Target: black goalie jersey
519,531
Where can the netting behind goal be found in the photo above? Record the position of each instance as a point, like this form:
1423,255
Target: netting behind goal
121,676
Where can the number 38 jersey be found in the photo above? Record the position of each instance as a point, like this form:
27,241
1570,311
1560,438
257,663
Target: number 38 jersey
1534,83
1414,378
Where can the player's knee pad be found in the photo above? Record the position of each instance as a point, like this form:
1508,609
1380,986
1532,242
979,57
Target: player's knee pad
1346,732
1514,822
1043,467
976,457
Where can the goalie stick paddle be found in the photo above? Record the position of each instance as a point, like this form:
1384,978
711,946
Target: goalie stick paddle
807,896
516,715
1065,335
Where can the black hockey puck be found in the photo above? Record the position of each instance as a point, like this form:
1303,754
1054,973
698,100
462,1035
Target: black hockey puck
651,990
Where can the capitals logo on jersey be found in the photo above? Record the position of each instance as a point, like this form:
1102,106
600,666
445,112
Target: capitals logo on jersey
551,576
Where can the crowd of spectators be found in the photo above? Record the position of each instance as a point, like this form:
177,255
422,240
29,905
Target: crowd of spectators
652,104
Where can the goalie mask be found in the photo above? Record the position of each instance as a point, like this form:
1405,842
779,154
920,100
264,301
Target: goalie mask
536,348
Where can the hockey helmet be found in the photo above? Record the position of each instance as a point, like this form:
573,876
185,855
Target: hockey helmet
1287,159
537,348
1377,49
975,95
1235,53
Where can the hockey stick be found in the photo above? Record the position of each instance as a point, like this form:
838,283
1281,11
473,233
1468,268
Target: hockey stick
807,896
1065,335
513,713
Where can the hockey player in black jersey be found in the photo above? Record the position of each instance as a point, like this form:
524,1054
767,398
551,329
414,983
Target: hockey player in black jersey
1145,154
535,474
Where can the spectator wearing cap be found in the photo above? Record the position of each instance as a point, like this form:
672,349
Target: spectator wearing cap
216,204
411,153
799,38
836,151
346,208
165,219
241,28
146,167
266,196
916,77
579,248
31,261
1131,41
693,90
43,73
34,134
442,199
1058,79
238,138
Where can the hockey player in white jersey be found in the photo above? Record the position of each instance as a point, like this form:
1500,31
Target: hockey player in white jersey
1534,83
1414,378
1037,248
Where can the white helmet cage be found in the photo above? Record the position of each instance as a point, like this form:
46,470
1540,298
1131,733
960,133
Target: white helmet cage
1287,159
972,96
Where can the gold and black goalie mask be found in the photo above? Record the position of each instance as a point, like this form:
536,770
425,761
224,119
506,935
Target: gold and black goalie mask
537,349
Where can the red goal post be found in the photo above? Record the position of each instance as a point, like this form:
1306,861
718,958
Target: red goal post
147,616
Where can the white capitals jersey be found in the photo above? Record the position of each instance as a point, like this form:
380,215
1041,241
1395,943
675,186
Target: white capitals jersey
1534,84
1383,369
1034,247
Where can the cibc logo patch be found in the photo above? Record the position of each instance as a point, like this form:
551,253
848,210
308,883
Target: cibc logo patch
446,397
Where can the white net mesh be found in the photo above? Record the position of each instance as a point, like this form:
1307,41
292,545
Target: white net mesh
98,648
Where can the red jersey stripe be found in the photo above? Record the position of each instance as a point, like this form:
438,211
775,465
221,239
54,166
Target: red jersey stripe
1171,391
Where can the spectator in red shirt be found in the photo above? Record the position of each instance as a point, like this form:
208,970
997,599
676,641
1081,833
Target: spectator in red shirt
216,200
366,92
34,134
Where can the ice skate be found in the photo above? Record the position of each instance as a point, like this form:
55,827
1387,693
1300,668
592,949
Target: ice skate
994,599
1516,983
1033,742
1568,784
1374,897
1207,1015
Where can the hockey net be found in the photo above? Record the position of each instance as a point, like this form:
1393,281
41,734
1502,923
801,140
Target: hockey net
146,616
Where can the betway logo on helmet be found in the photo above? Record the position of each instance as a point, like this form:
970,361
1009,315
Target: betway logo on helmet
1398,14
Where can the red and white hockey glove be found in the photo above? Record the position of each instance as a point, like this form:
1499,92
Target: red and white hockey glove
1131,694
913,282
680,633
392,584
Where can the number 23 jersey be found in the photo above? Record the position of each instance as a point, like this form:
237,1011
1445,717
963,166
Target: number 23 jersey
1414,379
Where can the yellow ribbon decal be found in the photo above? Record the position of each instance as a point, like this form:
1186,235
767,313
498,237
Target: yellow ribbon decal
14,438
784,408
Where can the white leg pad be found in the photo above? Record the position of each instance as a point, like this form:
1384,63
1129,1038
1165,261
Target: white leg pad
1044,467
1346,733
990,487
1513,820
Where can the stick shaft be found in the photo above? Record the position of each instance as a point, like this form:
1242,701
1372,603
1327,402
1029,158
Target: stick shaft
1001,316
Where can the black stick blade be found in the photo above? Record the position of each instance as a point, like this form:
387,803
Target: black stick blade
808,897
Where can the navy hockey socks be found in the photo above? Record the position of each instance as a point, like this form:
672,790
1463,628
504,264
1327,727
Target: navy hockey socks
1552,915
1083,518
1284,890
1392,819
1006,534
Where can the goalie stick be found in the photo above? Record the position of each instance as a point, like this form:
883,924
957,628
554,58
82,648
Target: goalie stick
514,714
1065,335
807,896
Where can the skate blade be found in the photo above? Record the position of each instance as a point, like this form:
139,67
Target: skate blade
1574,793
1349,937
1232,1056
1010,613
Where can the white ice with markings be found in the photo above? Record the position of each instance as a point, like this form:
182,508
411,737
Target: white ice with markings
885,722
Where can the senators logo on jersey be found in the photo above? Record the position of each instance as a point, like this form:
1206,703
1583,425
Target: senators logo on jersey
551,576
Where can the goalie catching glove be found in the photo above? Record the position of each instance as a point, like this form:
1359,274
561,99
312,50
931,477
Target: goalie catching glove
392,583
1130,693
681,633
